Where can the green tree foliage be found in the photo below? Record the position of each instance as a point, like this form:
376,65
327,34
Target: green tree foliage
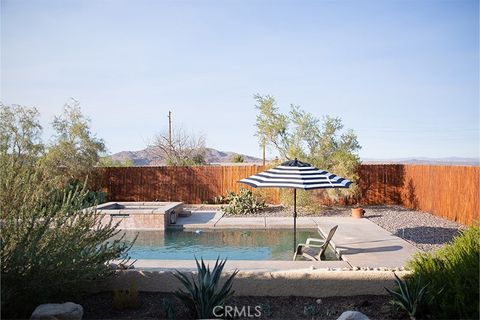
320,142
75,150
109,162
51,247
20,149
237,158
453,276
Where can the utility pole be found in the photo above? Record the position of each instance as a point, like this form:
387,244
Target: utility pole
263,146
170,128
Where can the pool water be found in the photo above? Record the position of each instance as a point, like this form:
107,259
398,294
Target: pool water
275,244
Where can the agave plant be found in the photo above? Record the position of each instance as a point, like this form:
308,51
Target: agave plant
203,291
408,298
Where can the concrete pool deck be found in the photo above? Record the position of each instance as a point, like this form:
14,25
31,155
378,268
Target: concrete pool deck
359,242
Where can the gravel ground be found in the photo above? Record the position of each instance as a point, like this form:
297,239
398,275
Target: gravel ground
425,231
150,306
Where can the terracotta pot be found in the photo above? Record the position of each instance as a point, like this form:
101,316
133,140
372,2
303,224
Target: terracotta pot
358,212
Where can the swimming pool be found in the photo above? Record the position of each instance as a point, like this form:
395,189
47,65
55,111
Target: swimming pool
237,244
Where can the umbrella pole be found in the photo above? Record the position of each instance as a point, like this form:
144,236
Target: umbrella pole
294,220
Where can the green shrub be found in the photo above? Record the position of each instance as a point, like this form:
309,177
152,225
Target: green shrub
310,310
51,249
453,276
266,310
237,158
91,198
203,292
243,203
306,201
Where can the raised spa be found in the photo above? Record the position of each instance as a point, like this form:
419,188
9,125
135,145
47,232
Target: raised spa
140,215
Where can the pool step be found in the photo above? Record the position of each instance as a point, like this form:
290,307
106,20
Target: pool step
185,213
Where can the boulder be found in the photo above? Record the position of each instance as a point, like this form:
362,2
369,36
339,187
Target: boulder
352,315
58,311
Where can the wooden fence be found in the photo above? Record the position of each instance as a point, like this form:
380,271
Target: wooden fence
187,184
451,192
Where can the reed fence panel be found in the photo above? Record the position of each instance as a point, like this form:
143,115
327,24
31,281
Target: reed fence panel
451,192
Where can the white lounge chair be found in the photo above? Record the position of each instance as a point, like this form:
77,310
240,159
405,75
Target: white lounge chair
308,249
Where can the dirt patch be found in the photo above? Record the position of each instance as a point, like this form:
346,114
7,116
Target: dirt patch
151,306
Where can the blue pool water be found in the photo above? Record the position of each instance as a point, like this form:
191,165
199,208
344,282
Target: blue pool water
276,244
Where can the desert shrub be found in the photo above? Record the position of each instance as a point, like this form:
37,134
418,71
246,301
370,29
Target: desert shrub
203,291
306,202
51,249
219,200
91,197
245,202
310,310
237,158
266,310
452,273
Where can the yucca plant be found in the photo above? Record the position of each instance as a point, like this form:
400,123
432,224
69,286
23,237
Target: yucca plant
203,291
408,298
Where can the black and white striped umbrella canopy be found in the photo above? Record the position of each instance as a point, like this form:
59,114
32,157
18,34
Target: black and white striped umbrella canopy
298,175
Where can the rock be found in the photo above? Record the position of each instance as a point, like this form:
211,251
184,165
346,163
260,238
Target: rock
352,315
318,301
58,311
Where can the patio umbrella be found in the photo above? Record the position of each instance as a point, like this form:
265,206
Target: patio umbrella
297,175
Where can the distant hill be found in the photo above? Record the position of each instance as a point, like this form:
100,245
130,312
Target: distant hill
147,157
458,161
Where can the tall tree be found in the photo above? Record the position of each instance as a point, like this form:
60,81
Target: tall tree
299,134
75,150
51,248
20,148
238,158
180,149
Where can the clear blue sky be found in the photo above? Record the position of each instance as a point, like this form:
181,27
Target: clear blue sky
403,74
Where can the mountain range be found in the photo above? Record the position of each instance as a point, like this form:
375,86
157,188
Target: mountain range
458,161
146,157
